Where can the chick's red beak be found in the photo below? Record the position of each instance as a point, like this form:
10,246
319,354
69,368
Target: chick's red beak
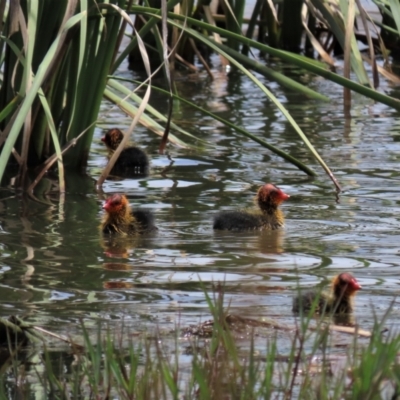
106,206
355,285
283,196
103,139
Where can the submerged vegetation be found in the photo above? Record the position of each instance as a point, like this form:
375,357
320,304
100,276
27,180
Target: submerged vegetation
56,70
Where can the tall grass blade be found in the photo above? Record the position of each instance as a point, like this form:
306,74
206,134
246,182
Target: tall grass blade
28,33
81,55
313,40
164,11
371,47
9,109
211,23
395,9
336,24
31,95
54,137
349,31
252,24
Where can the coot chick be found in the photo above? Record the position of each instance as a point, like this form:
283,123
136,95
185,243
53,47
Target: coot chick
268,216
120,219
131,161
339,300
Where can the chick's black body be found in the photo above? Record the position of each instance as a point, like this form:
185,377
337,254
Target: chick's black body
133,158
131,161
240,221
268,216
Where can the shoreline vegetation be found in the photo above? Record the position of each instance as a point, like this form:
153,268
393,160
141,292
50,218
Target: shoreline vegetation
47,123
216,359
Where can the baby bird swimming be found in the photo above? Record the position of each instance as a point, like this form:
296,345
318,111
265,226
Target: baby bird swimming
268,216
131,161
121,220
339,300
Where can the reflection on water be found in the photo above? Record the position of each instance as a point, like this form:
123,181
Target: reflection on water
56,269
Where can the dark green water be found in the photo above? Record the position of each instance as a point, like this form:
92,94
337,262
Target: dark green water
55,271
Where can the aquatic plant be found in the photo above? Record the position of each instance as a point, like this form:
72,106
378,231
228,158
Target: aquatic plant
224,361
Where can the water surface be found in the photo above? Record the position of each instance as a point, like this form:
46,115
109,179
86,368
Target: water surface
56,271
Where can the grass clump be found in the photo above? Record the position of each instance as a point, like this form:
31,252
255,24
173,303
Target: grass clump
234,358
